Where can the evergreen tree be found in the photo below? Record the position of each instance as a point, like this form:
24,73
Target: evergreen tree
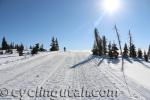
57,46
30,47
20,49
140,54
133,51
16,46
115,50
95,49
109,46
149,52
145,56
11,46
99,42
104,45
35,49
42,48
110,54
125,52
5,46
132,48
37,46
54,45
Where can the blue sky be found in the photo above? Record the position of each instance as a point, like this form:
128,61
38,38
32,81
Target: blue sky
72,22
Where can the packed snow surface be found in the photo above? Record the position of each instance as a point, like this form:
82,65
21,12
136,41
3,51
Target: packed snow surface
72,76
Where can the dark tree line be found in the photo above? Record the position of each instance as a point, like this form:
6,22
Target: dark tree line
37,48
20,49
8,48
5,45
100,48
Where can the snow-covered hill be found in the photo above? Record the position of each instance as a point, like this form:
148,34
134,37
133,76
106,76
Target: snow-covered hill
72,76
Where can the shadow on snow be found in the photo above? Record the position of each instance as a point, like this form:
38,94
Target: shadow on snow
99,59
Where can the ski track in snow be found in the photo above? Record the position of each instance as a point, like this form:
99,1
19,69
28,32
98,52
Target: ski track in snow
67,70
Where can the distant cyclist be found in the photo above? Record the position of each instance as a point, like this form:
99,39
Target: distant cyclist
64,49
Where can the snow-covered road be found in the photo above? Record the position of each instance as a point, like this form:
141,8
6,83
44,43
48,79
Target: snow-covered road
65,76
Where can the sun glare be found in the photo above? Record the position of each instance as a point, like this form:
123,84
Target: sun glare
111,6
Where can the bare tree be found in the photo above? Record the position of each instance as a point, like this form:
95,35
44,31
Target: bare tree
119,41
130,42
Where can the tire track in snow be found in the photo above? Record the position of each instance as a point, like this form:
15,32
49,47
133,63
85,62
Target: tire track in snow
115,82
30,60
48,65
13,78
69,78
94,82
61,73
118,81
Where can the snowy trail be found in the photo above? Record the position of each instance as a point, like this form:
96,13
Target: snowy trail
14,71
118,78
69,71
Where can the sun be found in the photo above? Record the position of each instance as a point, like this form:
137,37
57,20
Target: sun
111,6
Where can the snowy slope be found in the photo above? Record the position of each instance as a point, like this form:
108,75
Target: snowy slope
88,77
